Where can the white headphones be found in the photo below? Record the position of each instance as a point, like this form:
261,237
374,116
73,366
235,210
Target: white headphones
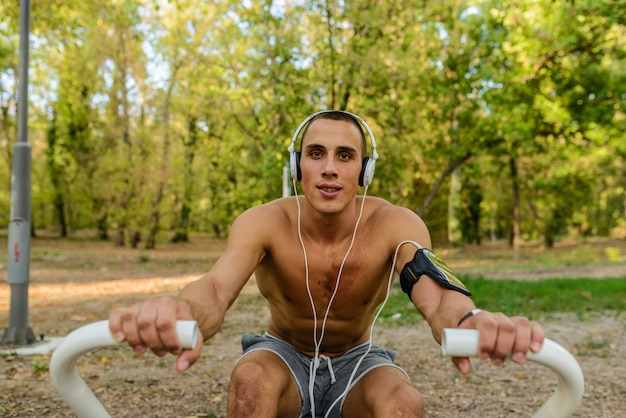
369,164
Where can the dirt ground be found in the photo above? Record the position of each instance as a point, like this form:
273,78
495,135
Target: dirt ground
76,282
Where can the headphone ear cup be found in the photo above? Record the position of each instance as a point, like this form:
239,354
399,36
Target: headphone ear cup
294,165
367,171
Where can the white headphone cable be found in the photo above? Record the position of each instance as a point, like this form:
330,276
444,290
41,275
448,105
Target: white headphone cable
315,363
330,301
380,309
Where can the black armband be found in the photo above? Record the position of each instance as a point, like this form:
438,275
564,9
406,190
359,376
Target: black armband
428,263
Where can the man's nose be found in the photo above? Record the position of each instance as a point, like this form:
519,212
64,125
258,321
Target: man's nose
329,168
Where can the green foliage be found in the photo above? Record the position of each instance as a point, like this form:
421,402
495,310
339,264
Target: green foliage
151,120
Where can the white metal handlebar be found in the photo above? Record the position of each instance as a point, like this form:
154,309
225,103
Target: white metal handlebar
571,382
455,343
90,337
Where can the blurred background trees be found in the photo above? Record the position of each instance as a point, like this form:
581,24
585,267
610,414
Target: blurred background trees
152,120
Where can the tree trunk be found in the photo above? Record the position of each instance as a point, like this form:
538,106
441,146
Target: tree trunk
55,173
156,204
120,238
128,193
433,191
103,232
455,235
59,207
182,232
624,190
516,227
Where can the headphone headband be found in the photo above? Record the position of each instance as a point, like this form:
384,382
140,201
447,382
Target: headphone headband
292,146
369,164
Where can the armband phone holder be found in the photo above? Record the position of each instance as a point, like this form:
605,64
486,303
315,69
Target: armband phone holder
428,263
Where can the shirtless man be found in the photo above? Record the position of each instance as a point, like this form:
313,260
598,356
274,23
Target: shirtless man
323,261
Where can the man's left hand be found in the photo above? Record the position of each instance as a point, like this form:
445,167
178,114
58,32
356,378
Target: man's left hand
502,337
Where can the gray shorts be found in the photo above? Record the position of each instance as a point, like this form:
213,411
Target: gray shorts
339,369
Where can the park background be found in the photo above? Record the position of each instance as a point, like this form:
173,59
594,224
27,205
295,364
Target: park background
150,120
154,124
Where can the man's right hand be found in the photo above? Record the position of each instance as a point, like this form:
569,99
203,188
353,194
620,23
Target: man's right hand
151,325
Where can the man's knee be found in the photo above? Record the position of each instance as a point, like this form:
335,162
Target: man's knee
404,401
247,377
246,391
261,387
401,400
384,392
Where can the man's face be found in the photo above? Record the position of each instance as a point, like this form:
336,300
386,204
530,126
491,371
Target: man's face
331,163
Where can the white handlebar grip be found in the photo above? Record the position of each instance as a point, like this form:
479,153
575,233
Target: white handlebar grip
90,337
569,393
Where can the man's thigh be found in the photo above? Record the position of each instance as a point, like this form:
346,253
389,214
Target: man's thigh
385,391
261,378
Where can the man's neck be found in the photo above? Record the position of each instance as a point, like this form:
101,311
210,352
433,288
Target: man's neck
328,228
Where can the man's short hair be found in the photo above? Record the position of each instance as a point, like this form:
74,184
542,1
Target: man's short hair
340,116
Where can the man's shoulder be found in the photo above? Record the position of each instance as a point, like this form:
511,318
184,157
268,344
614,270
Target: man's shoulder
398,223
383,208
277,205
266,212
261,223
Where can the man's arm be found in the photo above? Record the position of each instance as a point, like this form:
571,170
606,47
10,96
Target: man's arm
150,325
212,295
500,336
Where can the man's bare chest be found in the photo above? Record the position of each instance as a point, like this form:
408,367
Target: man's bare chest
326,270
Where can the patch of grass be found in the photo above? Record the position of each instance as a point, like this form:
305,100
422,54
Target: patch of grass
596,347
39,367
614,254
534,299
568,253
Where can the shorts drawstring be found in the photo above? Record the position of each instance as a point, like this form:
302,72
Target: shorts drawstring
330,368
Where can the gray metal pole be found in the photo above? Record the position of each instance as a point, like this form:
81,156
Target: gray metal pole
18,331
286,180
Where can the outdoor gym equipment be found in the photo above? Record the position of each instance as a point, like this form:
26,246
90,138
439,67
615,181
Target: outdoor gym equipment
458,342
455,343
90,337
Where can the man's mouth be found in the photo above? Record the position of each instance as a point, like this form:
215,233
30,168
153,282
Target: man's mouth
329,189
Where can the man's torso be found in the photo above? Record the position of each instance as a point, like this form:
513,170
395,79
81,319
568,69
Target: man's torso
282,279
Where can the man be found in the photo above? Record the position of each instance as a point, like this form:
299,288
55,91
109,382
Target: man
324,263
